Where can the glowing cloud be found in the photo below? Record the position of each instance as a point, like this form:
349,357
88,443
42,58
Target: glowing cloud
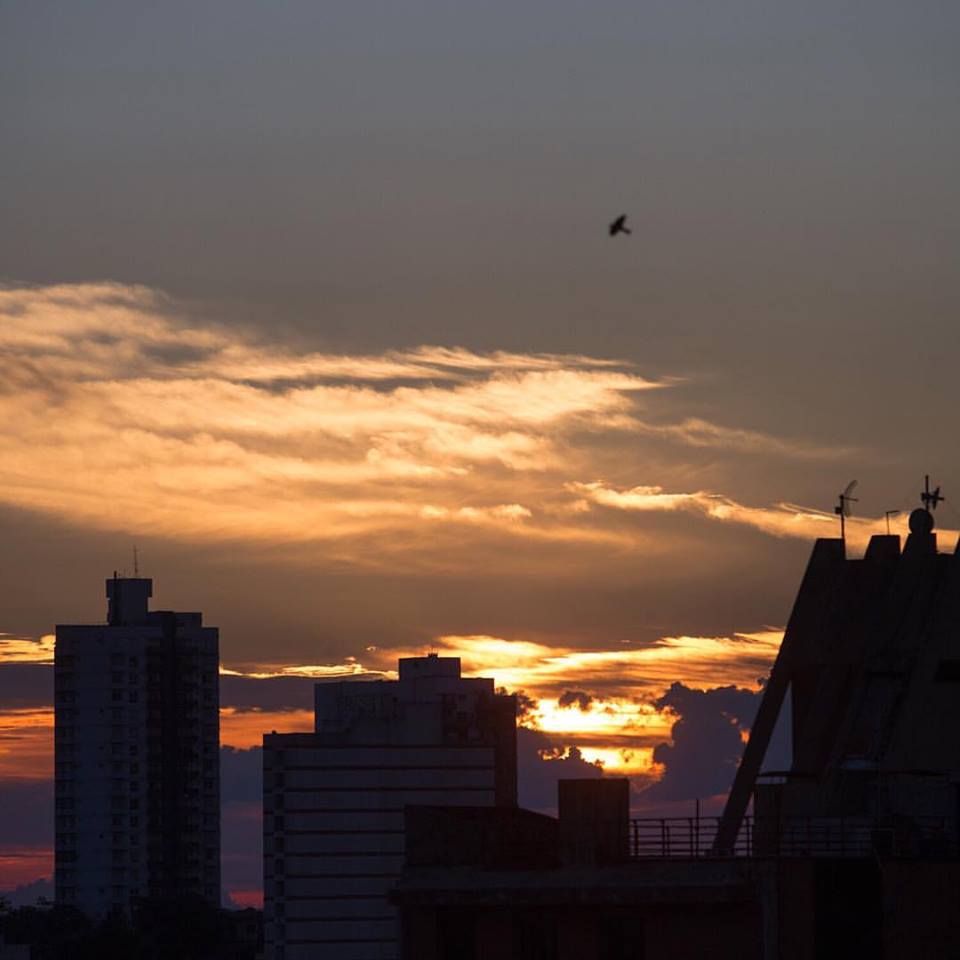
626,672
613,717
26,649
118,413
121,411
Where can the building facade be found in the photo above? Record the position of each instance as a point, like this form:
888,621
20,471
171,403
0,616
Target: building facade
334,800
137,755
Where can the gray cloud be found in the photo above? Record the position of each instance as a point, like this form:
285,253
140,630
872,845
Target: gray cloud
541,762
269,693
27,819
706,744
26,685
575,698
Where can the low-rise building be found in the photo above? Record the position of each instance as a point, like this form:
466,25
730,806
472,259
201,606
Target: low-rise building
334,800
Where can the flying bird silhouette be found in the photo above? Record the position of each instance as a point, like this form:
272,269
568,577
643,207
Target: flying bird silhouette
619,226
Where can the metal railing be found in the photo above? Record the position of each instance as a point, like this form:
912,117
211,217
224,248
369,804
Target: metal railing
680,838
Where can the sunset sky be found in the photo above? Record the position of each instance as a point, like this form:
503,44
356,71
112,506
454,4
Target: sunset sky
314,303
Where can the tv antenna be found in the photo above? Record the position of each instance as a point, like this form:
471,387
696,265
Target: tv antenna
842,509
930,498
888,514
136,562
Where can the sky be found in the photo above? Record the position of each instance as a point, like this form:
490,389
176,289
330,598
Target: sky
314,304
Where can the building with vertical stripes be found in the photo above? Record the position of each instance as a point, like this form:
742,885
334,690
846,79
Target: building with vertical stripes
334,800
137,734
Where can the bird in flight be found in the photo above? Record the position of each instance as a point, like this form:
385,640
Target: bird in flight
619,226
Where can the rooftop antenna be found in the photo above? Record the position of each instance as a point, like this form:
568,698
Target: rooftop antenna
136,563
930,498
888,514
842,509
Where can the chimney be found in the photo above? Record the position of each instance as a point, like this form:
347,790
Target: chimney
594,821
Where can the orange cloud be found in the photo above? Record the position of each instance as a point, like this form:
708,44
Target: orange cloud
26,743
120,411
26,649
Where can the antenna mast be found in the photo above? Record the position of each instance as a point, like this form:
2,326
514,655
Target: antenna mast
930,498
136,563
842,509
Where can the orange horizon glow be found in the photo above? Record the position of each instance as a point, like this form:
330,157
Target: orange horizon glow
618,725
243,729
610,715
22,865
26,743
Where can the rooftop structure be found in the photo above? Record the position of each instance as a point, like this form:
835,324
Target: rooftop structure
867,677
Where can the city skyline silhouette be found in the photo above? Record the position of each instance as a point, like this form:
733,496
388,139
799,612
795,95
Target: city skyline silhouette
312,315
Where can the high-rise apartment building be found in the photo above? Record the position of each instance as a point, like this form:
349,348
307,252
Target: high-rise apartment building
334,800
137,765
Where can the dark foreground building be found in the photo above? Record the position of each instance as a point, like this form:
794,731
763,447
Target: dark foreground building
483,884
137,764
851,851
